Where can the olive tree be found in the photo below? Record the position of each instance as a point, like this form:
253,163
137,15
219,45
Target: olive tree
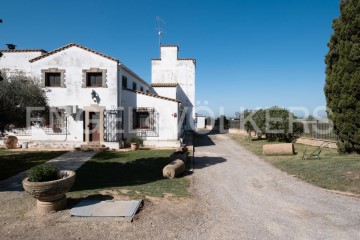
17,92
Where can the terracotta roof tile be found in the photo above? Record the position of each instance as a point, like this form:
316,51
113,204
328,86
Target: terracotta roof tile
192,59
69,46
186,59
164,84
22,50
169,45
153,95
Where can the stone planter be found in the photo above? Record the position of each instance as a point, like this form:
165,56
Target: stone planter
134,146
51,195
10,142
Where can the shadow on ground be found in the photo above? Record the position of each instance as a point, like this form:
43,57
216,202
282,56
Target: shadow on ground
203,162
202,140
72,202
106,173
13,163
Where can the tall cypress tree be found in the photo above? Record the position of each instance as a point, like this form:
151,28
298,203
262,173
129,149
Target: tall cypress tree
342,87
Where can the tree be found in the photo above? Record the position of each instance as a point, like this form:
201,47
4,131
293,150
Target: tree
342,87
277,124
18,92
282,125
257,117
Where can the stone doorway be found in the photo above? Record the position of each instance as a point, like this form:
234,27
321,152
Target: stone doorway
94,127
94,123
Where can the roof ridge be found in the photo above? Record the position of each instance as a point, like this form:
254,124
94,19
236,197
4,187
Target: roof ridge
69,46
22,50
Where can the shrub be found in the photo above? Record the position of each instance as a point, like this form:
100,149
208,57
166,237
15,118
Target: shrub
286,123
277,124
43,173
136,140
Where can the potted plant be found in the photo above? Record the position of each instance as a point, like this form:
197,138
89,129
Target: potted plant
135,142
48,185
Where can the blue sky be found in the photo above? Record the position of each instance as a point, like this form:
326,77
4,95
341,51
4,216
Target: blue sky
249,53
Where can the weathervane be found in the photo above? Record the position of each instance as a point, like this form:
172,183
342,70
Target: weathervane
160,28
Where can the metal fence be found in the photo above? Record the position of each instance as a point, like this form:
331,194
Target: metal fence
312,129
319,130
234,124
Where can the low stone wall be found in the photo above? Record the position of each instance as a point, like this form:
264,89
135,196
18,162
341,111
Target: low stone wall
53,145
70,145
61,145
317,142
162,143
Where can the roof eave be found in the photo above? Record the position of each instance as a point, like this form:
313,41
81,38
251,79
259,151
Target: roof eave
69,46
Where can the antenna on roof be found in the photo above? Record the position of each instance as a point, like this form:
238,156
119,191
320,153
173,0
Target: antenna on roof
160,28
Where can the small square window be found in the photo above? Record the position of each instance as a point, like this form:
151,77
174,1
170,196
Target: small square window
141,119
124,82
134,86
52,79
142,88
94,79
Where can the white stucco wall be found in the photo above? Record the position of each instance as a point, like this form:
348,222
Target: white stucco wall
169,92
132,78
73,60
16,61
200,122
167,115
170,69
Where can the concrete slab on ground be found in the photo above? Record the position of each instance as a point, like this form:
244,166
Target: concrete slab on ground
98,208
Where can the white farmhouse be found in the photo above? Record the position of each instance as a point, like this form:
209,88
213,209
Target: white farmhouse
96,99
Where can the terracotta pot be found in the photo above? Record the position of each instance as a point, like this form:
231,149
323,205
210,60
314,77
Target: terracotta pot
10,142
51,195
134,146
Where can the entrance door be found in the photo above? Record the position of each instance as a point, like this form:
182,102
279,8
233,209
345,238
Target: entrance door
94,126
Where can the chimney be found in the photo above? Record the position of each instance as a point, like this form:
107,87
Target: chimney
11,46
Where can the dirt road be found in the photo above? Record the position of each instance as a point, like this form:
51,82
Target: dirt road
236,196
247,198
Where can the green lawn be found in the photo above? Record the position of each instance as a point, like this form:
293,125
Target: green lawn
133,173
332,171
14,162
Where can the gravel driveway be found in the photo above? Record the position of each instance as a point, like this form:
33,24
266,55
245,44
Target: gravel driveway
236,195
248,198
